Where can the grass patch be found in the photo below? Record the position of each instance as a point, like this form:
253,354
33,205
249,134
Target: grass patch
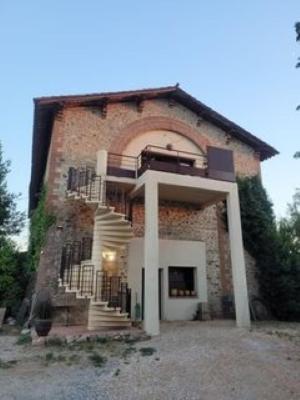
147,351
73,359
102,339
131,339
128,351
97,360
49,357
82,346
24,339
55,341
7,364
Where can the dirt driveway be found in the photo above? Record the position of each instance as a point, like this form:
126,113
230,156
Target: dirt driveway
190,360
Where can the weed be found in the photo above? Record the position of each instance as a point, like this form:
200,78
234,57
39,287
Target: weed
49,357
102,339
55,341
97,360
147,351
73,359
117,372
24,339
131,339
7,364
128,351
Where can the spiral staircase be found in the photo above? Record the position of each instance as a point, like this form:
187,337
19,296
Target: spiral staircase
109,299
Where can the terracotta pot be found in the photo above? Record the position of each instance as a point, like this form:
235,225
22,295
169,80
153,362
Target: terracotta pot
187,292
181,292
193,293
174,292
42,326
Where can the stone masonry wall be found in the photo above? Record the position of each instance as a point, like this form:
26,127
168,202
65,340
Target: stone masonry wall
78,132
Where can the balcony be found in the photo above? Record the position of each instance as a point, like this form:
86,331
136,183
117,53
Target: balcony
85,183
218,164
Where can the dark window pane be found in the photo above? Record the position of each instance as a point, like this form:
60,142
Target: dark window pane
182,281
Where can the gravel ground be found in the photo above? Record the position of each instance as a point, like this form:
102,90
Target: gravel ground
192,361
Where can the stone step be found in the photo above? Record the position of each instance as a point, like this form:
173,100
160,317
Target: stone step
116,239
107,312
116,228
118,222
109,324
107,318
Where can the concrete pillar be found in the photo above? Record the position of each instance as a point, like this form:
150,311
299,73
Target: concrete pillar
97,258
101,168
237,259
151,259
101,171
97,247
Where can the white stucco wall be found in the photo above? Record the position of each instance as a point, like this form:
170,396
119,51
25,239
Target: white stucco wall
174,253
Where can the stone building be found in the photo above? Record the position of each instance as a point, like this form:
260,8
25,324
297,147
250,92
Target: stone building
139,182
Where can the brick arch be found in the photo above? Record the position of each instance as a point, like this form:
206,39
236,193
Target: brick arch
136,128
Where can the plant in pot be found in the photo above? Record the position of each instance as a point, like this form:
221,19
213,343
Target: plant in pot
42,314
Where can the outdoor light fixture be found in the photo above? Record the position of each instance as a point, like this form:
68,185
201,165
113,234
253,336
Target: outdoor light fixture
109,255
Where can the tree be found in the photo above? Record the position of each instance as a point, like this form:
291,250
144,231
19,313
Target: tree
276,249
13,276
11,220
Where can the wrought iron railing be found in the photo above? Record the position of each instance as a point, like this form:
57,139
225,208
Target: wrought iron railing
122,165
81,277
73,253
87,185
83,183
113,290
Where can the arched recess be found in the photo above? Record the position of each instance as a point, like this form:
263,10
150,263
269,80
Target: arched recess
136,128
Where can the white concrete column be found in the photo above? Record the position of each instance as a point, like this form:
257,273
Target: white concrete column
97,257
97,247
237,259
151,259
101,168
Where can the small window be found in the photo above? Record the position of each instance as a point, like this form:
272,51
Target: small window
182,282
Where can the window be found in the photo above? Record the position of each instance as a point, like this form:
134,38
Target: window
182,281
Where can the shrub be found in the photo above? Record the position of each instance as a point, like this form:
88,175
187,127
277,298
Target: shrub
97,360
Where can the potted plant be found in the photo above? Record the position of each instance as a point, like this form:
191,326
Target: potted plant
42,313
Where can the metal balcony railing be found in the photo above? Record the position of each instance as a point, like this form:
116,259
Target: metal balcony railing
217,164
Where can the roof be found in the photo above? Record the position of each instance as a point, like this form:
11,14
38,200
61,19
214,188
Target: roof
46,108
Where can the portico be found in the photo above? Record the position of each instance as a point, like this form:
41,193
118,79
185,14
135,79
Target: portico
155,185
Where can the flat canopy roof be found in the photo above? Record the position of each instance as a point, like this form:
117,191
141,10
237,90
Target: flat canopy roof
46,107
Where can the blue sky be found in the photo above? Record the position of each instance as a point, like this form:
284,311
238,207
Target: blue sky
238,57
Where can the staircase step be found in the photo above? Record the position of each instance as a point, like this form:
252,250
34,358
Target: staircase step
116,228
118,222
107,318
118,233
104,324
107,311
